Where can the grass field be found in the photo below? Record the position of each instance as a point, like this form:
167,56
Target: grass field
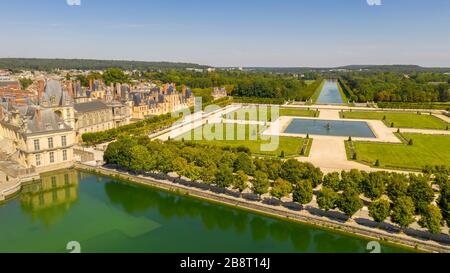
256,115
432,150
309,82
401,120
344,97
316,94
249,136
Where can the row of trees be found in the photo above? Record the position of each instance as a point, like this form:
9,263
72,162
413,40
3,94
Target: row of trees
140,128
402,198
240,84
396,87
398,196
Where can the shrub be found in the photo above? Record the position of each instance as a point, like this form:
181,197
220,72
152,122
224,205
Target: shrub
377,163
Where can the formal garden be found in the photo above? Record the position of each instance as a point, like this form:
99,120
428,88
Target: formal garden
264,113
416,152
249,136
416,120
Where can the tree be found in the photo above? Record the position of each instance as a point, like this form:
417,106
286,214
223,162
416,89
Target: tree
397,186
273,169
260,183
292,171
444,202
240,181
208,174
139,155
224,177
25,83
327,199
379,210
192,172
421,192
351,180
374,185
349,203
244,163
431,219
281,188
403,211
303,192
179,165
111,155
332,181
114,75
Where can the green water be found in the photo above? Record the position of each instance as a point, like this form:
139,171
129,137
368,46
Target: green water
106,215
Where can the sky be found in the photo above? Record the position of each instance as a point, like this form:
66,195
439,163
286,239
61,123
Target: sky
273,33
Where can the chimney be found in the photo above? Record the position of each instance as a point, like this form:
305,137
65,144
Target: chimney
1,112
70,88
166,88
90,85
183,90
38,114
41,89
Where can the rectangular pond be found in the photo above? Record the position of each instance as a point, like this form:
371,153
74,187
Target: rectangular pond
330,94
330,128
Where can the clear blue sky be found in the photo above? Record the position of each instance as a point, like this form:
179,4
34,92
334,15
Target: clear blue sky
231,32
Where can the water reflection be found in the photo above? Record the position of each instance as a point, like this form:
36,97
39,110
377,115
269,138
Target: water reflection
50,198
116,207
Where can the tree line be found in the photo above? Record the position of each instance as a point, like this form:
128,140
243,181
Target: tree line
240,84
397,87
404,199
85,64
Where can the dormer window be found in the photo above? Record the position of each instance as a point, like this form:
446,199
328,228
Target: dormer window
53,100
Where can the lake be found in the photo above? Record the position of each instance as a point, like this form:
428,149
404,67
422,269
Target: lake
107,215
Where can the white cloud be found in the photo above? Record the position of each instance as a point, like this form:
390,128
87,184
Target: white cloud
374,2
73,2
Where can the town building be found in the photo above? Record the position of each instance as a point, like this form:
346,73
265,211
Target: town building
159,101
219,93
37,138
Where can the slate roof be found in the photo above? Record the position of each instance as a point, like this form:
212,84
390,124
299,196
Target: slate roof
90,106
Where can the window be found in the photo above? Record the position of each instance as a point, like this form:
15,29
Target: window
50,143
64,141
37,145
64,155
52,157
38,160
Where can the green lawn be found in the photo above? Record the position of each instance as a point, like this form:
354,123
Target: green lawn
309,82
316,94
433,150
401,120
344,97
249,138
255,113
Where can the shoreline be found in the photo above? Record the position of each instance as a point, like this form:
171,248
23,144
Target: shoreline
396,239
